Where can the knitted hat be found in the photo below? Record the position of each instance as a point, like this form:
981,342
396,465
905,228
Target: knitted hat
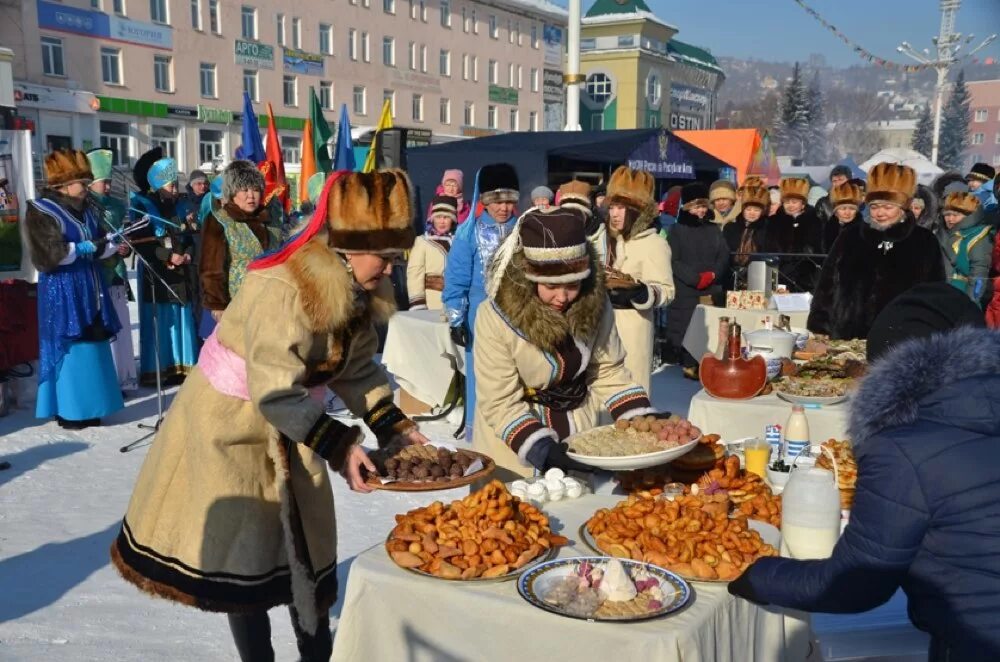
963,203
721,189
632,188
66,166
982,171
846,194
371,212
444,204
197,175
794,187
756,196
455,174
919,312
694,194
241,176
841,170
576,195
554,243
101,161
314,186
497,182
162,173
541,192
891,183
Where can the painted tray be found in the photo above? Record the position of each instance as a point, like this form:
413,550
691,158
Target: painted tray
489,466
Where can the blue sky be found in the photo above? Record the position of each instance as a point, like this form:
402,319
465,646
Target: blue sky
782,30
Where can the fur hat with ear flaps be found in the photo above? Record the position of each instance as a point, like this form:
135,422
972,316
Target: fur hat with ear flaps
371,212
846,194
66,166
555,246
694,194
497,182
576,195
632,188
795,187
891,183
756,196
963,203
241,176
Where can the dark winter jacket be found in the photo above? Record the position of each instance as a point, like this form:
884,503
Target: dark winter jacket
926,516
824,209
802,235
832,227
733,234
868,268
930,218
697,246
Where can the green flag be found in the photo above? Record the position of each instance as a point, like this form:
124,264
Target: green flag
321,133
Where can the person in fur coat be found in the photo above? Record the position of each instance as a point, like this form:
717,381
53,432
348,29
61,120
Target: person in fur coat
233,510
699,258
875,260
748,233
429,257
796,229
965,240
925,429
845,202
548,358
638,261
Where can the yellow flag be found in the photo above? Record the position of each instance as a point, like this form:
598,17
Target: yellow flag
384,122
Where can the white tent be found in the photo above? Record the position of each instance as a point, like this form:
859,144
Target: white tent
926,171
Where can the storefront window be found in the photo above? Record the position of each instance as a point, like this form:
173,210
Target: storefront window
209,145
115,136
165,137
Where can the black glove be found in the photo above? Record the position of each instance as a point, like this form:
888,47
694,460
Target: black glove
459,335
741,587
557,458
624,297
662,415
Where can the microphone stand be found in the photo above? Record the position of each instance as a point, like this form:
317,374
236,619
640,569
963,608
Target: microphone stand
156,338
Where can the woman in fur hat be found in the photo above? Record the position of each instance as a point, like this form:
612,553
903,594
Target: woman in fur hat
700,258
724,202
429,257
845,202
167,244
965,240
875,260
77,383
748,233
240,228
548,359
796,229
638,263
233,510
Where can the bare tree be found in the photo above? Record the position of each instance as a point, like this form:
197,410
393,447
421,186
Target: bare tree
754,114
852,115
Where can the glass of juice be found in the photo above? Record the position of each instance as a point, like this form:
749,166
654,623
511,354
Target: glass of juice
756,454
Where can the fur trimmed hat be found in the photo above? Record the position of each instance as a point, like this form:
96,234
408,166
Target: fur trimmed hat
101,162
632,188
498,183
371,212
794,187
722,189
65,166
984,172
555,246
444,204
575,194
963,203
756,196
846,194
891,183
694,194
239,176
752,181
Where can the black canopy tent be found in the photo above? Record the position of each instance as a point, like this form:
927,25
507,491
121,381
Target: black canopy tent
546,157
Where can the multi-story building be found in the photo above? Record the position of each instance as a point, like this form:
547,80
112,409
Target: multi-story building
129,75
638,76
895,133
984,125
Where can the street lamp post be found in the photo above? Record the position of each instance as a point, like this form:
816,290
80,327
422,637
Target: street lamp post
572,78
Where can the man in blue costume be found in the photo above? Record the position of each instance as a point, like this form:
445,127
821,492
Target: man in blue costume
77,382
470,255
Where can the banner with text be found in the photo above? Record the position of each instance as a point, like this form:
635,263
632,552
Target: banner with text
663,156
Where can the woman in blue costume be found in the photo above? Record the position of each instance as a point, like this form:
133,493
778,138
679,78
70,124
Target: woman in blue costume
170,253
471,251
77,382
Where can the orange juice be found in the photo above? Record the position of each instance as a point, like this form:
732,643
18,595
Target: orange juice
757,453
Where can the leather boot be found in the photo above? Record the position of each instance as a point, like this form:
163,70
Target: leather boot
316,647
252,635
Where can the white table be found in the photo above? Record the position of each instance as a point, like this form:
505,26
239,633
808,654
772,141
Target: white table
391,614
737,419
702,334
420,354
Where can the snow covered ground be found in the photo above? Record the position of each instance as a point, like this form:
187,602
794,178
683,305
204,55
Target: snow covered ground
60,507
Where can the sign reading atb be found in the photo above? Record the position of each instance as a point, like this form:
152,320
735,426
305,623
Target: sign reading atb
252,54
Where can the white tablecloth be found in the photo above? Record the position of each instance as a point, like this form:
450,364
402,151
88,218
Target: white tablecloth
737,419
390,614
420,354
702,334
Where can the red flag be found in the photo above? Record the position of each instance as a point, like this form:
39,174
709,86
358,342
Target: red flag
273,168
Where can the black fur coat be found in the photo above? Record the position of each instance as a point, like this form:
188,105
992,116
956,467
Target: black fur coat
862,274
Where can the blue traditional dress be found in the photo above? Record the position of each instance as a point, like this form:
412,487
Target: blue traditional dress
76,319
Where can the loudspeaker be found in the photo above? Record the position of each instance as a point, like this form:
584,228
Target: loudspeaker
391,149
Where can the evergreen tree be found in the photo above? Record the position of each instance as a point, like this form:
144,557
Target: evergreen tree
955,126
792,126
816,142
923,136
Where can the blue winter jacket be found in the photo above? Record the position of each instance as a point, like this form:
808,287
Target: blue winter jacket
926,516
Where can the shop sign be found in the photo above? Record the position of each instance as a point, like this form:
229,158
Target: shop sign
62,18
300,62
476,132
663,156
685,122
215,115
506,95
417,137
414,80
252,54
552,85
691,99
552,36
188,112
41,97
137,32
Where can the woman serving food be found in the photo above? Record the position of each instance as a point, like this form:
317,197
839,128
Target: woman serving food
547,355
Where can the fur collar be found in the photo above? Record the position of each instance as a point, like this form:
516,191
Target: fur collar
327,290
647,215
897,232
892,393
260,215
684,217
540,325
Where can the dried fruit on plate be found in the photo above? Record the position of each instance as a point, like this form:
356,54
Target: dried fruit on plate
489,533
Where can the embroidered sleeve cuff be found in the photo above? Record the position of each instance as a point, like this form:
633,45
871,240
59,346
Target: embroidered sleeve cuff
523,433
628,403
418,303
70,254
331,440
386,420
